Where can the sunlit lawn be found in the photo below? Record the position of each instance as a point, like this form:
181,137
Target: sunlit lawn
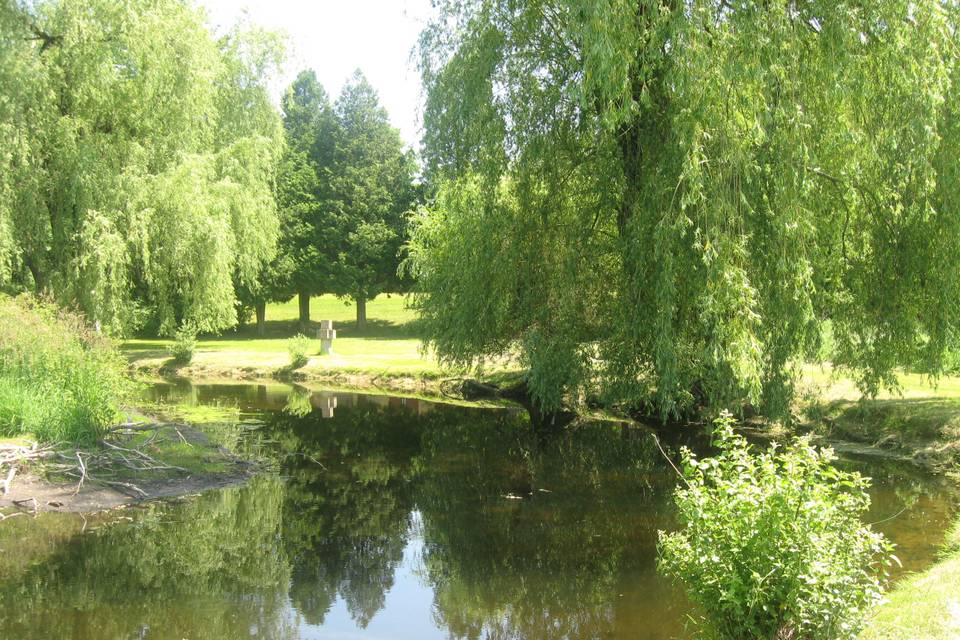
823,380
391,345
388,346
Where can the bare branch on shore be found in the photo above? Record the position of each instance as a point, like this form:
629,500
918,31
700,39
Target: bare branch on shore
14,455
83,474
117,455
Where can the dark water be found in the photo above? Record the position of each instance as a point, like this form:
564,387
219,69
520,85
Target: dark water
391,518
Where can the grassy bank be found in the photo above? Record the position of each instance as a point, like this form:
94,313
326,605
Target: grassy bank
920,422
59,380
66,425
387,353
926,606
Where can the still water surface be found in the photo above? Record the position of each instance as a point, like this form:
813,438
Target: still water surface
392,518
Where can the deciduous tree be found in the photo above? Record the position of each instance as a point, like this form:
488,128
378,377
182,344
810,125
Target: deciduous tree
138,159
670,199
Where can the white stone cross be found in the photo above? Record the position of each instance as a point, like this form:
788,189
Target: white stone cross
326,334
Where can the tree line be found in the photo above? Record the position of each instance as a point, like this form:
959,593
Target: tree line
346,186
148,180
663,204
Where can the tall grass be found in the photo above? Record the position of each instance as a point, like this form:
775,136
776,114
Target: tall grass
59,380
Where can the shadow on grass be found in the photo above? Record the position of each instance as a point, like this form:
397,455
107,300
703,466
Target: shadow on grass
135,355
172,366
291,372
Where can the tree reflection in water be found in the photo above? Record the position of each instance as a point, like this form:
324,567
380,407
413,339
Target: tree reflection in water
522,537
509,534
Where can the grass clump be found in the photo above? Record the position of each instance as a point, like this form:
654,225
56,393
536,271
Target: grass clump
298,346
772,545
59,380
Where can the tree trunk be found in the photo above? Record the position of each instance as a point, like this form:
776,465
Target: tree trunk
39,280
261,318
304,311
361,313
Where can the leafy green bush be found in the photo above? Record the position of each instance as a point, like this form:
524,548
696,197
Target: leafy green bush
184,344
298,346
772,545
59,380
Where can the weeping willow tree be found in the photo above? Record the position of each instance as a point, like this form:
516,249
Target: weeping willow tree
677,201
137,159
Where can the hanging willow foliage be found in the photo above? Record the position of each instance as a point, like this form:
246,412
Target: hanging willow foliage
137,159
677,201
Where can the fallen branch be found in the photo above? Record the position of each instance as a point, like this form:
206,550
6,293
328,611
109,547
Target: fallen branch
20,503
131,426
9,480
182,438
83,474
157,464
126,485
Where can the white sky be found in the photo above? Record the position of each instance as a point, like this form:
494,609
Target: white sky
335,37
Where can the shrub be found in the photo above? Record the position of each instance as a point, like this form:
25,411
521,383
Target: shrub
184,344
59,380
298,346
772,545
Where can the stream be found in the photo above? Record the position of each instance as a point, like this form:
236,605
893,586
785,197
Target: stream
388,517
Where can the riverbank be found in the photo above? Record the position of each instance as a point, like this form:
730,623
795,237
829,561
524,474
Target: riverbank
387,355
130,464
920,423
925,606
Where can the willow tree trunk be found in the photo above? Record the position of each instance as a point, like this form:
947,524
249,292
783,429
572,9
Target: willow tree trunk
304,311
39,279
361,313
261,308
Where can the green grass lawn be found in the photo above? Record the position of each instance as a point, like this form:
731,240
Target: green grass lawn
389,346
922,418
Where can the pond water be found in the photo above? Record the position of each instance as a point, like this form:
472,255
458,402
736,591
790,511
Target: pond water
392,518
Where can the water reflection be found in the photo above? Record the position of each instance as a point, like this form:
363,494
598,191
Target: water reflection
389,518
209,568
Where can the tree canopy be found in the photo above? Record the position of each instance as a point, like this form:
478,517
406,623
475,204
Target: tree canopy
677,201
305,187
372,188
138,159
346,186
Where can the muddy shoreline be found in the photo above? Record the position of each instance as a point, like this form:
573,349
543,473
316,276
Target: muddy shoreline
32,495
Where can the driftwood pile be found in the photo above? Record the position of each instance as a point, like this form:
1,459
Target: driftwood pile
121,451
